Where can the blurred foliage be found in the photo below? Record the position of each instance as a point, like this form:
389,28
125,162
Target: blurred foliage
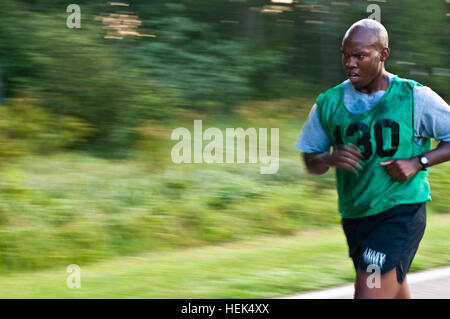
168,55
213,73
27,128
75,73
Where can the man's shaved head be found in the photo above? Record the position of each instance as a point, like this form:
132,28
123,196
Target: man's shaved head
365,48
377,32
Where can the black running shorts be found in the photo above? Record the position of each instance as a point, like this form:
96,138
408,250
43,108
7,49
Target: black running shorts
389,239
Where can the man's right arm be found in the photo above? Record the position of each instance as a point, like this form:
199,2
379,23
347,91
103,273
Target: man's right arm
315,145
344,157
317,163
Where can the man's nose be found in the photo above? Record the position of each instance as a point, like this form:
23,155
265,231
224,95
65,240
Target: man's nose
350,63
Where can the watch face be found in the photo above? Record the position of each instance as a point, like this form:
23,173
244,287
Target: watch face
424,160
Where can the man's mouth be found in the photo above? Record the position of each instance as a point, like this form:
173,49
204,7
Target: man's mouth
352,76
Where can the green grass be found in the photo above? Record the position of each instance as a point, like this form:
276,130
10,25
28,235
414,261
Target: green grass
72,208
263,267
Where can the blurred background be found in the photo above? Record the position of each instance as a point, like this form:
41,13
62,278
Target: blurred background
86,114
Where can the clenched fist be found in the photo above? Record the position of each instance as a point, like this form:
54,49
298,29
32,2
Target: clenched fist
402,169
346,157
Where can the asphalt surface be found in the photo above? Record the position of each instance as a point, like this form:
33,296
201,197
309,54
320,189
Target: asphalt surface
428,284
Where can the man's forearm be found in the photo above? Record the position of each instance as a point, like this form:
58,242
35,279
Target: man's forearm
439,154
402,169
344,157
317,163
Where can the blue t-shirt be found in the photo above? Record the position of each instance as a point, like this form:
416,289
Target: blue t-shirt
431,120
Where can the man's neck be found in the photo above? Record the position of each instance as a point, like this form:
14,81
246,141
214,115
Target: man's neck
379,83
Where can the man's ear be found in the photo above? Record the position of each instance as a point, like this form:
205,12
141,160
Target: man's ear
384,54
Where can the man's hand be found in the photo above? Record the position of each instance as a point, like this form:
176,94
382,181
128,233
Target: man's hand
346,157
402,169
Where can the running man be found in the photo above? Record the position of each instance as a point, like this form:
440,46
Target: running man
379,126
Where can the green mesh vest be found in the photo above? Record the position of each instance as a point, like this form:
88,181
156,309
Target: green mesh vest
382,133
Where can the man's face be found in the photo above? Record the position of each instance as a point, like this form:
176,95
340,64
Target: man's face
361,60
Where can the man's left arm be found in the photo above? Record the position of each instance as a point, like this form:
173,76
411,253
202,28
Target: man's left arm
402,169
432,121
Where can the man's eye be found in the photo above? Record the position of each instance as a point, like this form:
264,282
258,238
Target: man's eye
360,56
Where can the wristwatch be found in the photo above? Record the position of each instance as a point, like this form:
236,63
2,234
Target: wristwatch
424,161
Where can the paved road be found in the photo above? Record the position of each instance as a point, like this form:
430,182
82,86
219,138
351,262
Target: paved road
428,284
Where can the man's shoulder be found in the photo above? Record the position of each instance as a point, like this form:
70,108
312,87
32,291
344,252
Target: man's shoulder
407,82
327,103
330,94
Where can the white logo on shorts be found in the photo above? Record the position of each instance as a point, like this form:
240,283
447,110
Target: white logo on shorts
374,257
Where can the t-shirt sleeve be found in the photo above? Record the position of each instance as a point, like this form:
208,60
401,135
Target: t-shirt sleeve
432,115
313,138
